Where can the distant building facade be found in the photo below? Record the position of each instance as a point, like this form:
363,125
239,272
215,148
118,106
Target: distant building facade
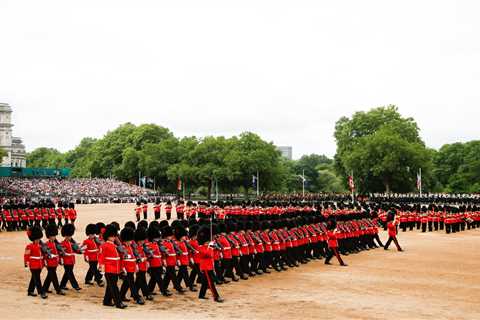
286,152
16,154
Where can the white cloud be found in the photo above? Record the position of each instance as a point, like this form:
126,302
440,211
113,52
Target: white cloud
284,69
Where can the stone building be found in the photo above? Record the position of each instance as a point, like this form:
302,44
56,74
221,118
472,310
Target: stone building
16,155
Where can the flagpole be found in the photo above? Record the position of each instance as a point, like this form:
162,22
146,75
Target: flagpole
183,189
258,185
303,185
420,182
353,192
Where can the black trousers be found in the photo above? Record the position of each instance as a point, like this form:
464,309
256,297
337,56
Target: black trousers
180,215
218,271
157,215
169,215
333,252
51,279
182,275
35,281
170,276
68,275
138,217
237,266
424,227
145,215
228,268
244,260
141,283
129,283
208,283
155,279
93,272
194,274
389,241
111,290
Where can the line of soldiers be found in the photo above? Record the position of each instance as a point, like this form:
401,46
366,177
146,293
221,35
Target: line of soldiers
209,251
435,218
21,216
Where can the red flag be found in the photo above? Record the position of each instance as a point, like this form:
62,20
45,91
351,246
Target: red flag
179,184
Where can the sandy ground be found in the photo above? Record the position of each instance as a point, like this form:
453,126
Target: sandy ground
436,278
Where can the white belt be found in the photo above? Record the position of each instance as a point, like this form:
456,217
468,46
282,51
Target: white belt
269,243
185,253
53,256
172,254
36,258
130,260
96,250
158,257
276,242
69,254
114,259
227,248
244,245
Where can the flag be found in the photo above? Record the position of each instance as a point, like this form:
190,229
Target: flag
419,181
351,183
179,184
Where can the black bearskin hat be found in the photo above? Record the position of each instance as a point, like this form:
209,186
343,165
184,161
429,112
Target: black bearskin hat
110,231
180,232
68,230
163,224
203,235
153,233
127,234
140,234
167,231
51,230
193,230
100,227
35,233
142,224
130,224
91,229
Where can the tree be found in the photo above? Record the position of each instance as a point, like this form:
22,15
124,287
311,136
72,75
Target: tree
382,149
309,165
46,158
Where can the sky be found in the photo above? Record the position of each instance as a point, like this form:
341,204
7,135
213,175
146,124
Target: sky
286,70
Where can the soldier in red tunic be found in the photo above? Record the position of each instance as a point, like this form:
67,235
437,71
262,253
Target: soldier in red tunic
207,264
156,209
70,249
138,210
109,261
129,266
91,253
170,250
52,260
145,210
332,243
33,259
392,231
143,253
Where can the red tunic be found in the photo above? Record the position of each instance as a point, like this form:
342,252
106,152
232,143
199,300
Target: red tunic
206,258
332,239
156,260
91,250
54,260
183,257
129,262
34,259
110,258
170,255
392,229
69,258
226,247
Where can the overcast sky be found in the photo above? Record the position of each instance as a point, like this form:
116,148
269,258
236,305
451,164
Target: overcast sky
286,70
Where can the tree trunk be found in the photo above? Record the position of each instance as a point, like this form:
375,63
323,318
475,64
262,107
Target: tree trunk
386,183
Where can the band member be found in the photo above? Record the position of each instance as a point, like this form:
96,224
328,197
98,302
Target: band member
183,257
129,266
53,260
333,243
71,248
392,231
109,261
180,209
33,260
195,259
92,251
155,260
207,264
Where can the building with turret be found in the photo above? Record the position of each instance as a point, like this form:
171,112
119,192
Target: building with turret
16,155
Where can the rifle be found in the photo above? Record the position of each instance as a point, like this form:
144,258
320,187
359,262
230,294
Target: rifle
76,247
98,242
135,252
46,250
148,252
121,249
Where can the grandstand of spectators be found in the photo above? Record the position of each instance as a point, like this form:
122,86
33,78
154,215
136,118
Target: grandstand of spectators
79,190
